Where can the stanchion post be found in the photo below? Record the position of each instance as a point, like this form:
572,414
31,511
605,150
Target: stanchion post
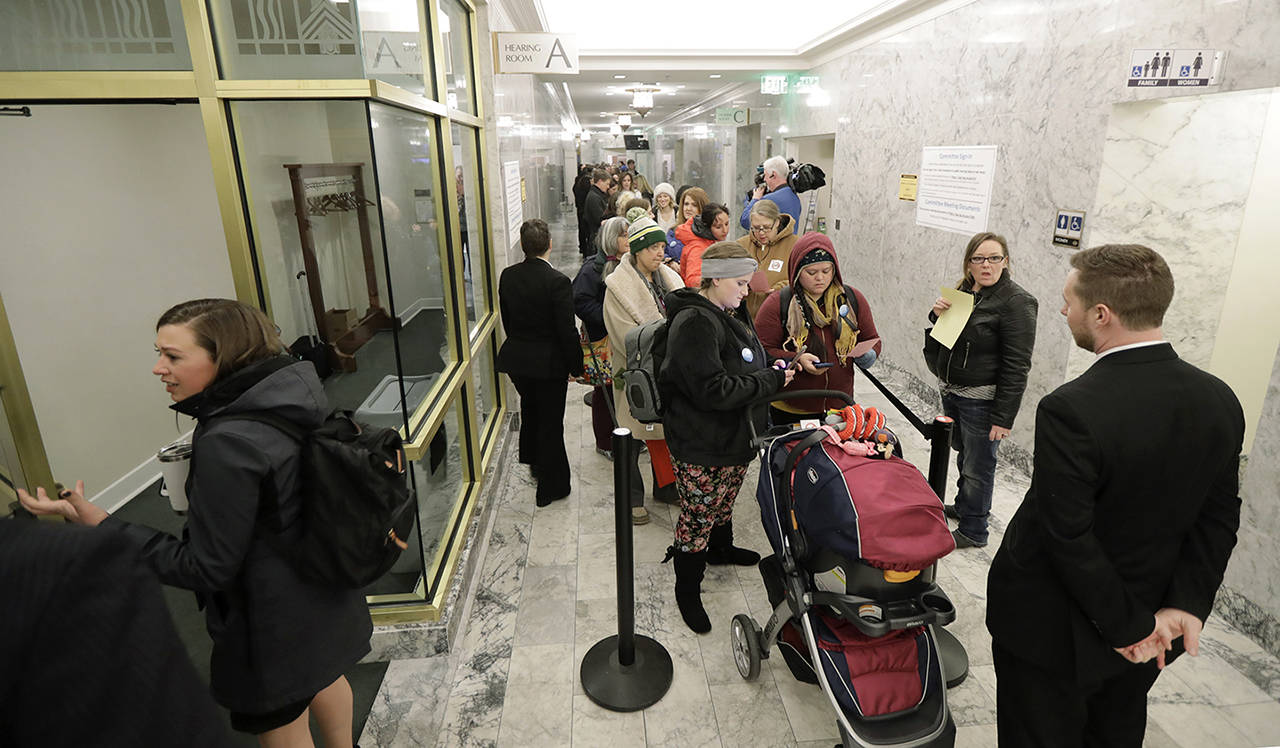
623,455
940,454
625,673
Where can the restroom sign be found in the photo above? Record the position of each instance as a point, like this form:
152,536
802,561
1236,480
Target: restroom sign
1068,228
1159,68
545,54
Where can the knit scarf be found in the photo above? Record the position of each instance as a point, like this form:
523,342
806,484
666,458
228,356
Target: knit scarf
804,315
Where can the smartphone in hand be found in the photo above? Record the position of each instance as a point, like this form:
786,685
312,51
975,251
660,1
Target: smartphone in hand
823,365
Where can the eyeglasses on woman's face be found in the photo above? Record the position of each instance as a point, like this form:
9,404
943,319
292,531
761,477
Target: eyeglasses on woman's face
759,229
978,260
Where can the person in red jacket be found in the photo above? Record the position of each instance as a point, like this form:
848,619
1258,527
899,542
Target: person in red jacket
823,325
704,230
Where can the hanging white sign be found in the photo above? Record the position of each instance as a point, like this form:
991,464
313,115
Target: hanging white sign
515,203
547,54
954,193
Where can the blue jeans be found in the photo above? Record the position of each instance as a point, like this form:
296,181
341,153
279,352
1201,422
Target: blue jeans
976,461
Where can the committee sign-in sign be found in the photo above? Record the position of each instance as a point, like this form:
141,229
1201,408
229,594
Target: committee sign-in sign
955,188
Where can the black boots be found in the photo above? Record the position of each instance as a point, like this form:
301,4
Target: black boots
720,550
689,570
666,494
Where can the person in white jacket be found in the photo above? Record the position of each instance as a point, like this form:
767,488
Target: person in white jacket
634,294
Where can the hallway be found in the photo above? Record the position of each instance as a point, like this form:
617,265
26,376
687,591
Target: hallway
546,594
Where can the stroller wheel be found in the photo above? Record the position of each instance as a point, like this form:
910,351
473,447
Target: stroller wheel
745,641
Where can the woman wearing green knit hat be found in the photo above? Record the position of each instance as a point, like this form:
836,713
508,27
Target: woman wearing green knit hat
635,294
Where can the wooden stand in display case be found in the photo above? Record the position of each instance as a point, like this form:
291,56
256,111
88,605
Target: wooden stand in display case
343,330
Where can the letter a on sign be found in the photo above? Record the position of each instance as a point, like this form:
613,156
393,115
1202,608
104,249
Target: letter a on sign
557,50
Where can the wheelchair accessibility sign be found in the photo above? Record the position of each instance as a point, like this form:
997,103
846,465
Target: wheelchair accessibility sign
1068,228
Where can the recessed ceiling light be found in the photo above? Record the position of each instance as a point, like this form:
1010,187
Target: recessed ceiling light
713,76
680,86
619,77
608,93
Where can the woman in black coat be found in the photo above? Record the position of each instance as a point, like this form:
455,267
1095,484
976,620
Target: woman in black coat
714,369
540,353
280,644
982,377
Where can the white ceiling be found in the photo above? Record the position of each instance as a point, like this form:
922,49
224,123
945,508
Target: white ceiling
695,51
598,91
680,27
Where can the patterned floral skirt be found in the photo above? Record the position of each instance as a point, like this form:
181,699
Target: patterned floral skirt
706,493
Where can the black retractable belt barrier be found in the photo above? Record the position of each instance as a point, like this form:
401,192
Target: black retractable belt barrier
625,673
955,660
940,454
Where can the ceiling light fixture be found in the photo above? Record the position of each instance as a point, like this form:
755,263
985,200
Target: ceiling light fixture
615,129
714,76
619,77
624,122
642,99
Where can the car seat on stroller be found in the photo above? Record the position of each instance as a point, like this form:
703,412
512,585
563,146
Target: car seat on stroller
856,534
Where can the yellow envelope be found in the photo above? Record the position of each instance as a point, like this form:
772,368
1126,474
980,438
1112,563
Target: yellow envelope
951,322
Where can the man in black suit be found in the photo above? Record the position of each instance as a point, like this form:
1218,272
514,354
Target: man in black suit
593,212
540,353
1120,544
88,653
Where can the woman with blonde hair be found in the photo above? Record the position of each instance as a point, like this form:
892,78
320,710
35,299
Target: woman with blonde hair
664,207
715,370
769,240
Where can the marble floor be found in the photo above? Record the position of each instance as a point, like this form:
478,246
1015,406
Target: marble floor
545,594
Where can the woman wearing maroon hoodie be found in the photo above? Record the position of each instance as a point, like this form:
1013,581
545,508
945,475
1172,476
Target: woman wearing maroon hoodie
822,319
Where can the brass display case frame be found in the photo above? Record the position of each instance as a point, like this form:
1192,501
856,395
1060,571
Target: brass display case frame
203,85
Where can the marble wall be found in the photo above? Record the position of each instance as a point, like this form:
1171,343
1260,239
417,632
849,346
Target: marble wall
524,123
1042,81
1157,188
1037,79
1252,593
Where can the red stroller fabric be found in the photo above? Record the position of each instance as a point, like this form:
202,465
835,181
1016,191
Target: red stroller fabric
879,510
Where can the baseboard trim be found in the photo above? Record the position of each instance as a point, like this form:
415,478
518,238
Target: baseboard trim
420,305
130,484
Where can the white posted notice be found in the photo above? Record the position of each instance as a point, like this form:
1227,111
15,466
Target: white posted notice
515,206
955,188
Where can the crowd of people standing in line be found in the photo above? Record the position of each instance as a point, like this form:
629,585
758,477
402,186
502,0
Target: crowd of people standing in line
1118,548
771,311
749,316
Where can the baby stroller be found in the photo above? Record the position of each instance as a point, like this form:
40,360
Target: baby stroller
856,531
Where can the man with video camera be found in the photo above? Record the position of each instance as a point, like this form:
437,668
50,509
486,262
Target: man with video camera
775,187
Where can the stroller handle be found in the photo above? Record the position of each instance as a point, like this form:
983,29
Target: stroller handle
795,395
807,394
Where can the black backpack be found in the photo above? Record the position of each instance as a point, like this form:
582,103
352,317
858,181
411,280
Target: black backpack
357,508
646,348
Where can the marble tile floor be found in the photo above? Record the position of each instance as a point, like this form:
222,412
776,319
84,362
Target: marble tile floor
545,594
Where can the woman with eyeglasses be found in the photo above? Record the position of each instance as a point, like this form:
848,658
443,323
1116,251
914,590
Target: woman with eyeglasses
982,377
769,241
